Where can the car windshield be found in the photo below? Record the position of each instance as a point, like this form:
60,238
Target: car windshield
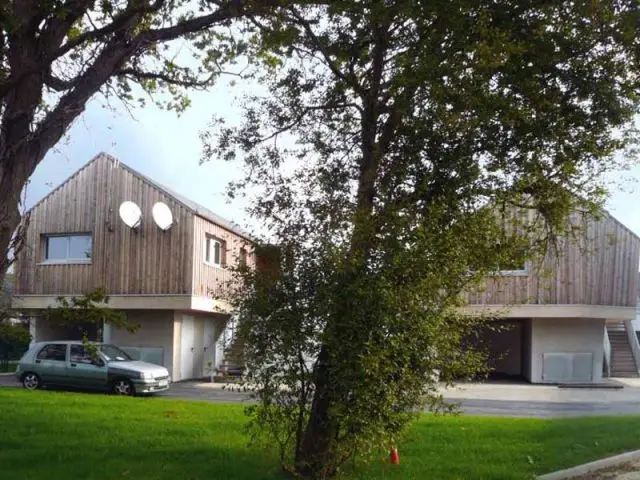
114,354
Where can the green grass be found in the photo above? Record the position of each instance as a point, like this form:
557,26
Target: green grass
58,435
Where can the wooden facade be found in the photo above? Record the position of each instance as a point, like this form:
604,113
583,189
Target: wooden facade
142,261
208,280
598,267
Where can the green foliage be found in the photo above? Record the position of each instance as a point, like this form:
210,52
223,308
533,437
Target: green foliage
406,150
86,315
14,341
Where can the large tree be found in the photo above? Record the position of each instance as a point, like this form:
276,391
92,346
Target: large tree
55,55
395,142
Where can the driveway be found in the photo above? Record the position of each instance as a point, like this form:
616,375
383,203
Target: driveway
501,399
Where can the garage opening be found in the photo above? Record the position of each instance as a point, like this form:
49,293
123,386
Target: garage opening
508,345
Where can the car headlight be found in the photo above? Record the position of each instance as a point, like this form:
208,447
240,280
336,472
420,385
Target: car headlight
146,376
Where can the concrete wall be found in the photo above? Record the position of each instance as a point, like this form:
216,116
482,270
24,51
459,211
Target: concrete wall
45,331
562,335
156,330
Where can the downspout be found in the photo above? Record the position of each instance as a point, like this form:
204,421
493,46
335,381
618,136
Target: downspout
633,342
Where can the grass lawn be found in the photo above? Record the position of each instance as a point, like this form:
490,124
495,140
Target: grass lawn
58,435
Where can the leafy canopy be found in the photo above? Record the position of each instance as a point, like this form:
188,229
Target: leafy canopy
395,142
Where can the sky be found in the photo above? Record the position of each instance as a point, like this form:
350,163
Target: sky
160,144
167,148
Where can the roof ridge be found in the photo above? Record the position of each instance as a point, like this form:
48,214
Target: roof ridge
187,203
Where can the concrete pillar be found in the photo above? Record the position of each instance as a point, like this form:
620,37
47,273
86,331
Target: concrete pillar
32,330
106,333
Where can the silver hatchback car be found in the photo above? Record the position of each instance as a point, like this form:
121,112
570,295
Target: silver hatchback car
69,364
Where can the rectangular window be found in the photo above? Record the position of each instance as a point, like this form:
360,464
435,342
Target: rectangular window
79,354
68,248
515,265
214,251
242,259
53,351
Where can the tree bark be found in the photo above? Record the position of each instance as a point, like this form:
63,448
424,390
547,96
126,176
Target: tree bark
313,460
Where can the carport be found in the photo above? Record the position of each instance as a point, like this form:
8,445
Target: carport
508,344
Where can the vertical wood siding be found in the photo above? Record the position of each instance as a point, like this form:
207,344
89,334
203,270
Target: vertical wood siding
148,261
599,267
208,280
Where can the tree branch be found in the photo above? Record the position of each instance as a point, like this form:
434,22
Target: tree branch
142,75
350,80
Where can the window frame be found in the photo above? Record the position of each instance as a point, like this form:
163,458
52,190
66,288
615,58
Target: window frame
212,239
68,260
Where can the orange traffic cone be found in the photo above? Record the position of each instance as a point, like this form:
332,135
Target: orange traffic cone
394,458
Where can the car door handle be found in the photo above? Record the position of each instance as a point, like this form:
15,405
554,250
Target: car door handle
37,361
73,365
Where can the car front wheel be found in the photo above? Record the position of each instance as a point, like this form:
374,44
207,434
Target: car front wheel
123,386
30,381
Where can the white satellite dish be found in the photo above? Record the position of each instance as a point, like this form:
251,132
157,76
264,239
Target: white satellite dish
130,214
162,216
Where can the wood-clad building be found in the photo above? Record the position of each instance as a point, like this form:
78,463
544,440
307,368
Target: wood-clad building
168,281
598,265
560,308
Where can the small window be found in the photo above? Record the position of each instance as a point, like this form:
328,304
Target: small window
515,265
79,354
68,248
242,258
214,251
53,351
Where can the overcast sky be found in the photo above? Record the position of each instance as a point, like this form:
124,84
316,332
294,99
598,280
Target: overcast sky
167,148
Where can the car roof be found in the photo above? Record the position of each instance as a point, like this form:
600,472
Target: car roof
64,342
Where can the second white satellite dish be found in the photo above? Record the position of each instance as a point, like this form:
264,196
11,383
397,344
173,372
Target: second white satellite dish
162,216
130,214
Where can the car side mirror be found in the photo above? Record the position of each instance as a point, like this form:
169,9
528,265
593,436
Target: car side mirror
98,362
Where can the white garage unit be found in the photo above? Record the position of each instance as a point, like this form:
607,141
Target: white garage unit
566,350
187,347
182,342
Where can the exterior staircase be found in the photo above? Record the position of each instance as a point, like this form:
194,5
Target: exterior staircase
622,361
232,366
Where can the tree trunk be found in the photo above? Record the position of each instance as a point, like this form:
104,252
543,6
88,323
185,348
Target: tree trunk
314,458
11,185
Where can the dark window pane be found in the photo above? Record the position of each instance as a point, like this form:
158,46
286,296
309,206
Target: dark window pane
216,258
80,246
53,352
243,257
207,256
79,354
57,248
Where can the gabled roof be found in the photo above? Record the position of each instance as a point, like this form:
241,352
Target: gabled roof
190,205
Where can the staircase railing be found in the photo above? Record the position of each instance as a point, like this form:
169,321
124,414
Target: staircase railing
607,352
633,342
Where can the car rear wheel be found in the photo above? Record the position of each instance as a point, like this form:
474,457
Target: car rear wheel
122,386
31,381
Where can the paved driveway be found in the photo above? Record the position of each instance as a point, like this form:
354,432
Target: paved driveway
513,400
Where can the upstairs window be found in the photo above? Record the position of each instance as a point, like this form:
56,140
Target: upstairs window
242,258
214,251
74,248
